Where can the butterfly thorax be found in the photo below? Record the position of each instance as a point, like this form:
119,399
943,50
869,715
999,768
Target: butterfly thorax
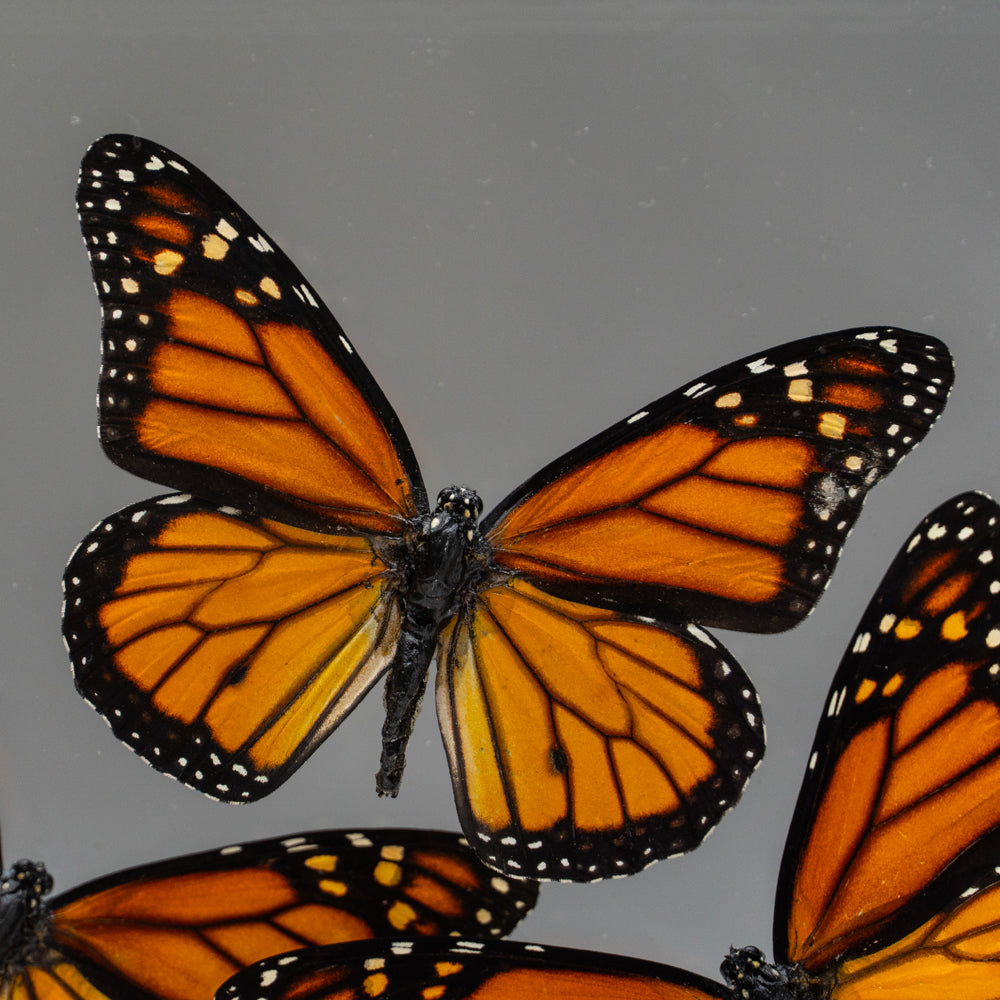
25,923
444,560
752,978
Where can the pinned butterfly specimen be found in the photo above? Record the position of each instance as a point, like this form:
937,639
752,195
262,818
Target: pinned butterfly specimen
177,929
890,880
592,725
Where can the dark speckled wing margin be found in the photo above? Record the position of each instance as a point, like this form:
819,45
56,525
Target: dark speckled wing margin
224,374
436,970
728,501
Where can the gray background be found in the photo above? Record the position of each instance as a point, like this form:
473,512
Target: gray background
531,218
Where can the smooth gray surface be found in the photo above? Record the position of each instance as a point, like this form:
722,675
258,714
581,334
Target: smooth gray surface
531,219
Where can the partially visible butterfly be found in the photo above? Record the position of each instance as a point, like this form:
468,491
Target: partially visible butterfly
591,724
177,929
890,880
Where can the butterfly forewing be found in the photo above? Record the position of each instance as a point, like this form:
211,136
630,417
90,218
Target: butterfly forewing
220,648
728,501
438,970
177,929
900,809
224,374
584,743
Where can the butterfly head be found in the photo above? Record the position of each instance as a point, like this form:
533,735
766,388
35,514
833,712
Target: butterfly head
752,978
460,504
23,913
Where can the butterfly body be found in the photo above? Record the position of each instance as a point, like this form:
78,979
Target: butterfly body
592,725
447,560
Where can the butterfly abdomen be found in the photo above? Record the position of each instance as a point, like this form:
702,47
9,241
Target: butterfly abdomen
440,565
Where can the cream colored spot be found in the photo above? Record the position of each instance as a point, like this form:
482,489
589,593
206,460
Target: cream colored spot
374,964
483,916
800,390
167,261
214,247
393,852
798,368
247,298
130,285
993,638
885,625
500,885
832,425
225,230
269,287
853,462
729,400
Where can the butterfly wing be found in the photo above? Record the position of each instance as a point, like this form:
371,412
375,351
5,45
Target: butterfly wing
221,645
224,649
897,828
433,969
176,930
223,373
586,743
728,501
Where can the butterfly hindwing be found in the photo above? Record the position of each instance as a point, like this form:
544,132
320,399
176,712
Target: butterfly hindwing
584,743
177,929
898,820
224,649
760,467
224,374
439,970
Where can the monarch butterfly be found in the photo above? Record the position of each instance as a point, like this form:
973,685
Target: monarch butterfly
177,929
889,883
592,726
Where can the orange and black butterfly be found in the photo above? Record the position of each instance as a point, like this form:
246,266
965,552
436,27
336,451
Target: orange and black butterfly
592,725
178,929
890,880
